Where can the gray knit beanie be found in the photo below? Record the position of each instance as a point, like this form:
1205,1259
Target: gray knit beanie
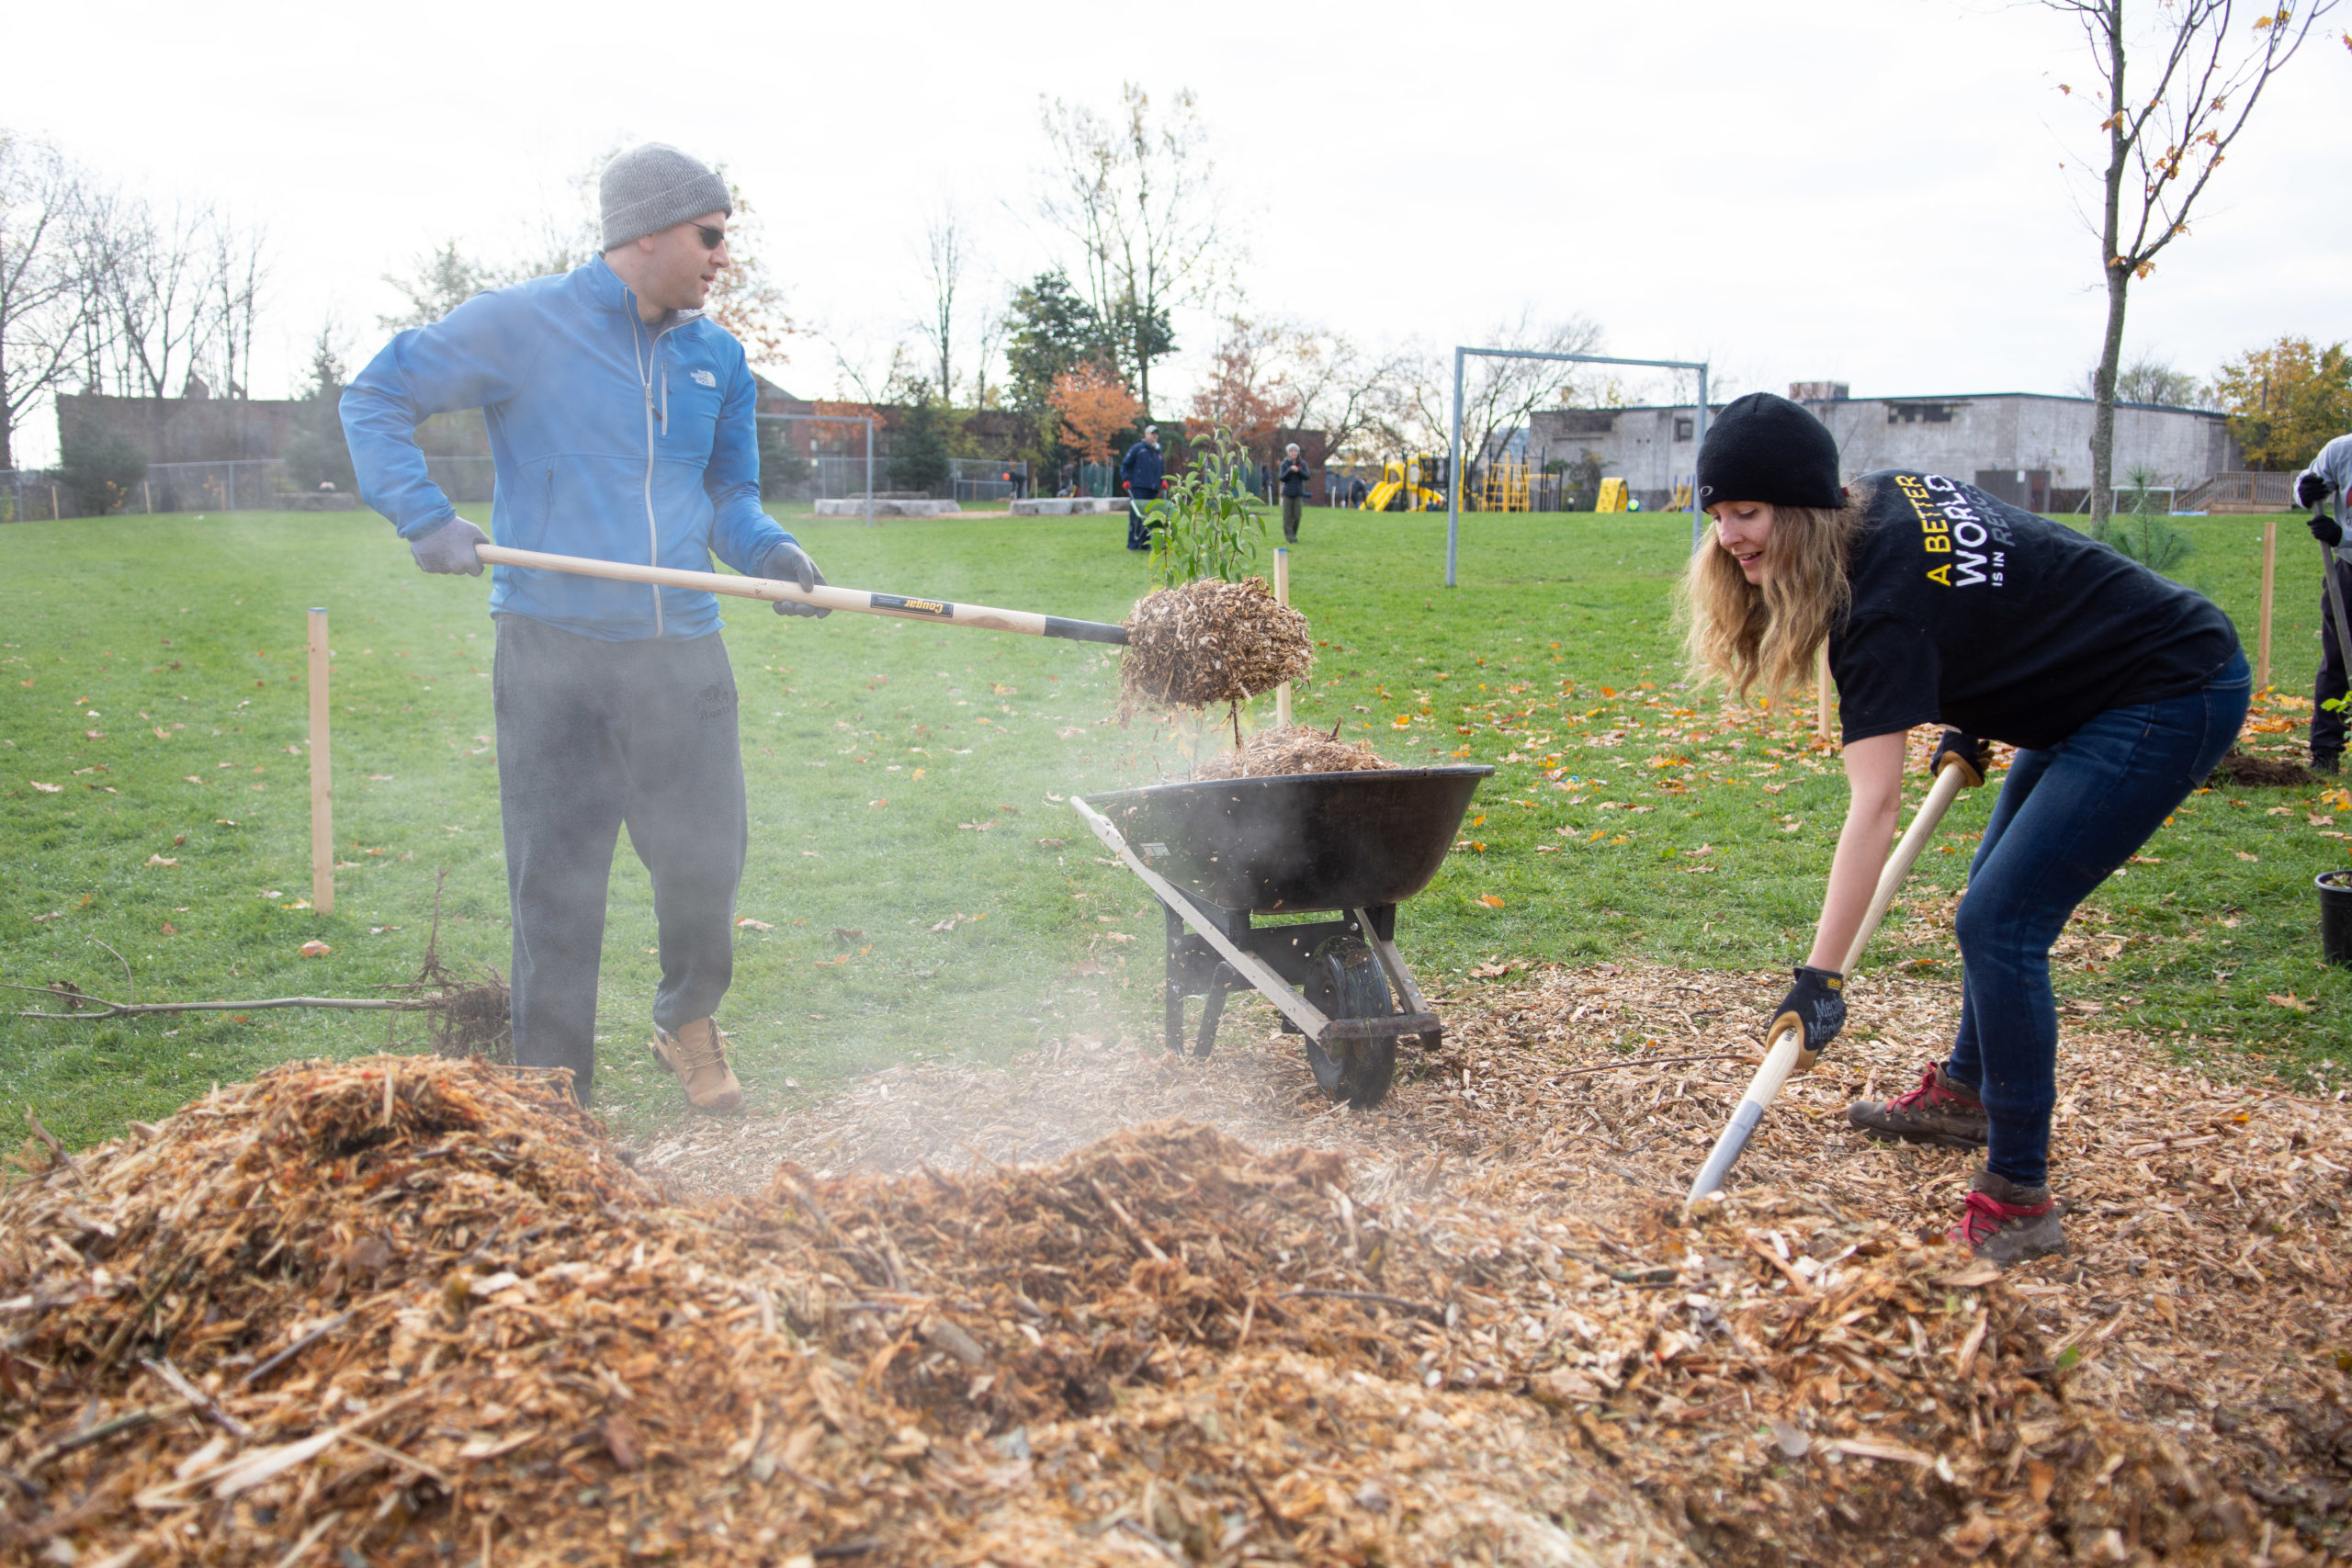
649,188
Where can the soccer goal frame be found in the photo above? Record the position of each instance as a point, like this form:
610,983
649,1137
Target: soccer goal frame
1463,354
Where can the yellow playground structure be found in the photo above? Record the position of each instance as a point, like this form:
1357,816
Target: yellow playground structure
1614,497
1506,484
1409,485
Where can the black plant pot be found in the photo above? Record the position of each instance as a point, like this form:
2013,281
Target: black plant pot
2335,916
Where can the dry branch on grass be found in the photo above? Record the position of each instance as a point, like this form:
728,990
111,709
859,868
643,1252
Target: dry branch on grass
1294,749
1210,642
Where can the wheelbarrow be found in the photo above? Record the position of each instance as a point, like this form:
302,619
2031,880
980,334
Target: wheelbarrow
1216,851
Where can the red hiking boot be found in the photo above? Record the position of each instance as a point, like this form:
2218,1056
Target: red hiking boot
1938,1111
2007,1223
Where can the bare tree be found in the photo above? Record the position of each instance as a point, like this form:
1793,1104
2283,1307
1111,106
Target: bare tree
44,306
1498,395
946,254
437,282
1347,392
240,268
1138,194
996,323
151,278
2165,141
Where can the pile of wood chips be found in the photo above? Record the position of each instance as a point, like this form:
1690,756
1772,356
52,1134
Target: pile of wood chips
1294,749
405,1310
1210,642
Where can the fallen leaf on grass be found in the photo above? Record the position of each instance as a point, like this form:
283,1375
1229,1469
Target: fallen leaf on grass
170,929
747,923
1490,900
316,950
2289,1000
161,859
1489,971
46,788
2242,855
52,915
192,778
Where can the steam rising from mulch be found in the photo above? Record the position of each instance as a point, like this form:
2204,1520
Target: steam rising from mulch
1210,642
1295,749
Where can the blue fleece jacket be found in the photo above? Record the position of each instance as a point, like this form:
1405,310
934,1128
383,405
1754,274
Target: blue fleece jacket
612,439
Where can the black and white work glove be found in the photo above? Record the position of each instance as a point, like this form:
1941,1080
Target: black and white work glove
450,548
1816,1004
789,563
1964,752
2326,529
2310,489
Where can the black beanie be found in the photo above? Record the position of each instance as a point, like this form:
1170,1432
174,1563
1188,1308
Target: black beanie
1767,448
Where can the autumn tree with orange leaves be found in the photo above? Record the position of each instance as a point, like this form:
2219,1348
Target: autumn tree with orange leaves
1095,407
1248,392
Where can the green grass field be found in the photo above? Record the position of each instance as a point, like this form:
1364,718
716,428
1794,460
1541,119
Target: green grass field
922,888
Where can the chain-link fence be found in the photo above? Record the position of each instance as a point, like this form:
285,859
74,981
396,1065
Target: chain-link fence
244,484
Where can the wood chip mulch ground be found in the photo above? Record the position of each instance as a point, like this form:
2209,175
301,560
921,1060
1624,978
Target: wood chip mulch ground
1113,1307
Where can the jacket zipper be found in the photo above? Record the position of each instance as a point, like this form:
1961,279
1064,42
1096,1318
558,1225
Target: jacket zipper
652,527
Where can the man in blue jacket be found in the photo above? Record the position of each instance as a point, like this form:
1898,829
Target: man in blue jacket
1140,473
623,428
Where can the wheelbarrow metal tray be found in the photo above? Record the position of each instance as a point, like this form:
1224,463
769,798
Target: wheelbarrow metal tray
1297,842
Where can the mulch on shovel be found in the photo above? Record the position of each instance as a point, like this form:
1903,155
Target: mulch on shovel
406,1310
1210,642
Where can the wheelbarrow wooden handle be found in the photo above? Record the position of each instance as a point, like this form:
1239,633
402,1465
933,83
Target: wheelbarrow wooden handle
1781,1055
855,600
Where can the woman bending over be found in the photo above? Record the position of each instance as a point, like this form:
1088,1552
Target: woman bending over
1940,604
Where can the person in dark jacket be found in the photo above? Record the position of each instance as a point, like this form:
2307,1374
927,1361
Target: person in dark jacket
1939,603
1141,472
2330,474
1293,482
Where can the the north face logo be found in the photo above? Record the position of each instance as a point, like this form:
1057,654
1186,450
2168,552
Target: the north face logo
714,700
703,378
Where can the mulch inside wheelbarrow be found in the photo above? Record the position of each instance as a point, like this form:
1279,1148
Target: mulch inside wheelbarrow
1294,749
1210,642
404,1310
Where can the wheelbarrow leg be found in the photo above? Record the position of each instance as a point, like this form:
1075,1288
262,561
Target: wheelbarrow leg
1175,1029
1212,1009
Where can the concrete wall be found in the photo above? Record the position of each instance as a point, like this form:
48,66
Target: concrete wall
1652,448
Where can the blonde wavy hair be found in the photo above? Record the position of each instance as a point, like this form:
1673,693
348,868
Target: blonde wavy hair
1750,637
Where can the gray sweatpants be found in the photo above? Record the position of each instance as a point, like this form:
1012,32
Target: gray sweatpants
591,736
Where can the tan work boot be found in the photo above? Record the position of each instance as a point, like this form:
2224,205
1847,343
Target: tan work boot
698,1054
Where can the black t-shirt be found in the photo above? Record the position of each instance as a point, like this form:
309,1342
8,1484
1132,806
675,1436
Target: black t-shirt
1972,612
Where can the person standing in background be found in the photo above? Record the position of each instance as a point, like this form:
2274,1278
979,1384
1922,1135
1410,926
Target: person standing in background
2330,474
1293,482
1141,472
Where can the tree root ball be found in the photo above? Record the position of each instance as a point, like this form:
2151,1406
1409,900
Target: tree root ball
1210,642
1295,749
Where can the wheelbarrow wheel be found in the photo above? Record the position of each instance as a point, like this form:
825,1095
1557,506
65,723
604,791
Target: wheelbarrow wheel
1350,983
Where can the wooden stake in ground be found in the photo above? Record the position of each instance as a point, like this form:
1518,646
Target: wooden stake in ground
322,774
1281,596
2269,583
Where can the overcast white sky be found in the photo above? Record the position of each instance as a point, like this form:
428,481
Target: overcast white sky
1865,190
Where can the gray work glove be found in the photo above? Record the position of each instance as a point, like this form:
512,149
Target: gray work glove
450,548
789,563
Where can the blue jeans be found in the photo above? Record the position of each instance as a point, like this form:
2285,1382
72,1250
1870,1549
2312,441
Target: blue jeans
2067,818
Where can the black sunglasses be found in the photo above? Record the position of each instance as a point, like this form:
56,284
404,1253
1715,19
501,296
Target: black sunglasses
711,238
